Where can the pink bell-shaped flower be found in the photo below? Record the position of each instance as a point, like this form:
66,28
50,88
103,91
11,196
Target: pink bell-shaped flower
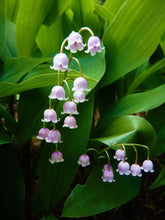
84,160
58,92
108,175
75,42
43,133
136,170
54,136
70,122
60,62
147,166
80,83
119,154
50,115
56,157
70,108
79,96
94,45
123,168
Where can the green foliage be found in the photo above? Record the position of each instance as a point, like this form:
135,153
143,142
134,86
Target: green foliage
126,79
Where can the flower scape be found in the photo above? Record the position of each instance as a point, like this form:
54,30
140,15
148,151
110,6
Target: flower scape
61,64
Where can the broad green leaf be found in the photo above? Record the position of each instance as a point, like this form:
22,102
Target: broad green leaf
3,16
103,12
132,37
12,9
156,118
50,38
56,10
83,200
16,68
160,180
55,179
31,15
138,102
92,67
95,196
11,186
125,129
143,76
113,6
84,15
9,49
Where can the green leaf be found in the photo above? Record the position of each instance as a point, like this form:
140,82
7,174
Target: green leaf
84,15
103,12
11,186
138,102
143,76
50,38
56,179
156,118
3,15
31,15
125,129
83,200
56,10
95,196
113,6
132,37
160,180
92,67
12,9
16,68
9,49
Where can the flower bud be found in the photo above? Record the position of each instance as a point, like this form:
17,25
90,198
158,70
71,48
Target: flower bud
56,157
147,166
108,175
80,83
58,92
60,62
79,96
50,115
136,170
75,42
54,136
94,45
119,154
70,122
70,108
123,168
84,160
43,133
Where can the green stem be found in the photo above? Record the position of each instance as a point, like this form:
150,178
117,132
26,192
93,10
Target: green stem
122,145
73,58
136,158
44,125
92,149
69,93
50,103
56,147
107,156
54,126
58,78
62,45
86,29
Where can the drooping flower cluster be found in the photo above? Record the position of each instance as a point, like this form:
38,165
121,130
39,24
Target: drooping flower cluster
61,64
124,168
